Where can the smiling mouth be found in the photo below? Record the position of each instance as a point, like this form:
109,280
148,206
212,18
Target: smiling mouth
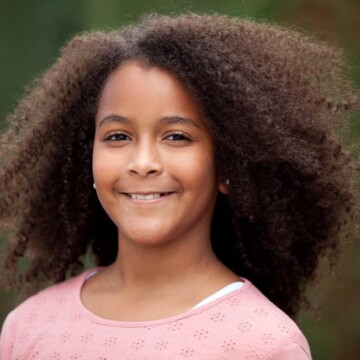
147,196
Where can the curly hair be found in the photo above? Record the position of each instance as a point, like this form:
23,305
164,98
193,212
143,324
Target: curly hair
275,101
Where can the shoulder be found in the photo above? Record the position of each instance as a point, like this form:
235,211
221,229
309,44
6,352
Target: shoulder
31,322
45,303
248,319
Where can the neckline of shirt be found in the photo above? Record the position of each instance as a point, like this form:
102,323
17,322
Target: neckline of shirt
246,284
216,295
220,293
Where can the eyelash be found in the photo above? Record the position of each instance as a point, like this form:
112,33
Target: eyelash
110,136
184,138
124,137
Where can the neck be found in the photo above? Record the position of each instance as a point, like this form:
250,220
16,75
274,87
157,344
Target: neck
151,267
155,282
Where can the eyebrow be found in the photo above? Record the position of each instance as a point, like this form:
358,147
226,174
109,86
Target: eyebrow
175,119
114,118
179,120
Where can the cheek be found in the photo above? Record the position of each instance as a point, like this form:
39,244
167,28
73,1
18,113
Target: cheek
105,165
105,175
195,169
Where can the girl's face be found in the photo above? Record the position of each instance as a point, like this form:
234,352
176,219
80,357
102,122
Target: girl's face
153,159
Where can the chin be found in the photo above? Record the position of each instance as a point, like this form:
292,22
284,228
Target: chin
146,236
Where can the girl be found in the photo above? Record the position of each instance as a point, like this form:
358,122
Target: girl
195,158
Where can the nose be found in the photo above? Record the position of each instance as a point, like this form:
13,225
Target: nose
145,160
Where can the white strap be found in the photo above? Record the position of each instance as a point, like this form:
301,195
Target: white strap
222,292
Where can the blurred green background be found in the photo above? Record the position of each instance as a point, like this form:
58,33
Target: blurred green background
32,32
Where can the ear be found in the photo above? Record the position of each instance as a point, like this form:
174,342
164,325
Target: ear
223,188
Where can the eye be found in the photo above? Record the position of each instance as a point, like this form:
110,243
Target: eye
178,137
119,136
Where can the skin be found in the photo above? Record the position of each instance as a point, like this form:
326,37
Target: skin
151,137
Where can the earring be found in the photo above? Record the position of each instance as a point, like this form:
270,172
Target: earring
94,186
227,182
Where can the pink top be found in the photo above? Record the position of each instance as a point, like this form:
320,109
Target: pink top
242,325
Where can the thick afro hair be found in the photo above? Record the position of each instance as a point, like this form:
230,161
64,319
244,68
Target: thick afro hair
275,101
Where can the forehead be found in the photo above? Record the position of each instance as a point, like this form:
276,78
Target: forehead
133,90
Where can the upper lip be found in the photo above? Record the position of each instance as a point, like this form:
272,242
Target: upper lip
147,192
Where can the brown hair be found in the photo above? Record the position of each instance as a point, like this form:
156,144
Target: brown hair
274,100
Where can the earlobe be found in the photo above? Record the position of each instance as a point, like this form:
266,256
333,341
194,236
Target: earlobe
223,187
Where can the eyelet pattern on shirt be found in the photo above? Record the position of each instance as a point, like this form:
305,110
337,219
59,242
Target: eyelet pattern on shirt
243,325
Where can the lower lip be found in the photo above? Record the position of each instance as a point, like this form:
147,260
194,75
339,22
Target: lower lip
152,201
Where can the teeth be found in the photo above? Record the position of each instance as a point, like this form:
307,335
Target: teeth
145,197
